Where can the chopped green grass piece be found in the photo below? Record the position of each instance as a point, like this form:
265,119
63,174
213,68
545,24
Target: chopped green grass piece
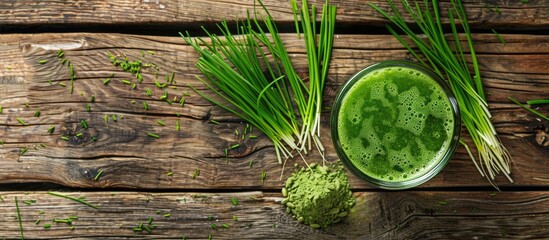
499,37
106,81
62,84
213,226
196,173
51,129
153,135
73,77
164,96
21,121
214,122
59,220
88,107
19,218
65,138
178,125
159,85
224,225
263,176
42,61
92,99
167,215
1,109
23,151
145,106
84,123
37,113
235,218
160,122
127,82
47,226
235,146
148,91
234,201
172,76
529,109
79,200
98,175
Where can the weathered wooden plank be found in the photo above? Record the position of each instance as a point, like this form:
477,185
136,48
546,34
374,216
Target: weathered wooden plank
377,215
130,158
482,14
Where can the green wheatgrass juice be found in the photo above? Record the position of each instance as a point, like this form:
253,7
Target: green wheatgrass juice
395,124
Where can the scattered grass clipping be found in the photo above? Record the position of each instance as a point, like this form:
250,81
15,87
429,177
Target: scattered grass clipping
318,196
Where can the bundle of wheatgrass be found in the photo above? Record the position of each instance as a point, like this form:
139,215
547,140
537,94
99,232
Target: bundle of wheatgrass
253,74
448,59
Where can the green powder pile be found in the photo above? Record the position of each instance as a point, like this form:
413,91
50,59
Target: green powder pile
318,196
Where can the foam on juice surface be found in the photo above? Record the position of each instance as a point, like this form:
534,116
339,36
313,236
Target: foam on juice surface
395,124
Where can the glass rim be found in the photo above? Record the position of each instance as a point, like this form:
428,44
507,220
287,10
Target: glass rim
443,160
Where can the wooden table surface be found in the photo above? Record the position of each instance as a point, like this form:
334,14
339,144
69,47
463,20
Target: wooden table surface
144,177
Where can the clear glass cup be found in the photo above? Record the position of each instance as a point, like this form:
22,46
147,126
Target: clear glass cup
435,165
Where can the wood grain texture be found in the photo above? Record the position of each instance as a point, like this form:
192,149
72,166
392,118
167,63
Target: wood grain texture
377,215
501,14
130,158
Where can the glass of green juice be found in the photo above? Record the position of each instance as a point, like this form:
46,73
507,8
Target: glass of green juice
395,124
